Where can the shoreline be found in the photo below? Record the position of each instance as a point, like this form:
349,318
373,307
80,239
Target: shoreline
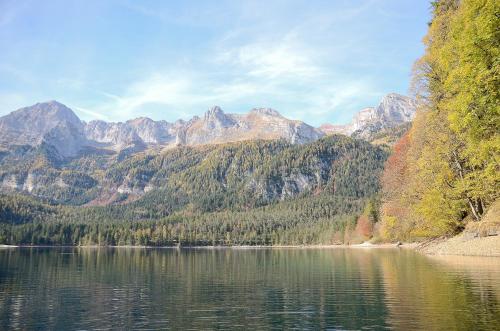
462,245
364,245
454,246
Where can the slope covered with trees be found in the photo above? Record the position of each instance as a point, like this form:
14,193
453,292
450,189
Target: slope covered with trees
256,192
445,171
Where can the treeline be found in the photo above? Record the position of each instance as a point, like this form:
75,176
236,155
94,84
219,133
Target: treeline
445,171
322,219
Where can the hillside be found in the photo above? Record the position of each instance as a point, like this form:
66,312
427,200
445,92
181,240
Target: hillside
444,174
270,184
261,171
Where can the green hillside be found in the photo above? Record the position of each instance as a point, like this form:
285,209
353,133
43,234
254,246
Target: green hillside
259,192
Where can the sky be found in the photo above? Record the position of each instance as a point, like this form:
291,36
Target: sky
114,60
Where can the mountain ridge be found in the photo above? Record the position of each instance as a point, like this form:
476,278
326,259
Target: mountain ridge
392,111
55,124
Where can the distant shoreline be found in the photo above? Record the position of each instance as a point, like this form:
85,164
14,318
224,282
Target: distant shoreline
360,246
455,246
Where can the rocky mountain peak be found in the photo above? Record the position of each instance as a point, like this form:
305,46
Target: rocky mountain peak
266,111
214,112
396,108
216,118
393,110
141,121
50,110
28,125
54,124
330,129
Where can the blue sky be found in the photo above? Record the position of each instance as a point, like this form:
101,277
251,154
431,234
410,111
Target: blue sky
318,61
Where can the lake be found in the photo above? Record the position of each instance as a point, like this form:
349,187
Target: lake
258,289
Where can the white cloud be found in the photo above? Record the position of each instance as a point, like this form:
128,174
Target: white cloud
269,80
306,78
92,114
289,57
334,99
156,89
342,95
270,62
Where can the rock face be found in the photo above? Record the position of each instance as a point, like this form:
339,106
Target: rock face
259,123
140,131
29,125
50,122
392,111
330,129
55,124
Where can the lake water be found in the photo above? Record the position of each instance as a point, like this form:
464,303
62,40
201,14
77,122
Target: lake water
258,289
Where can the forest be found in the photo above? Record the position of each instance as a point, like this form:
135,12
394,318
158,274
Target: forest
251,193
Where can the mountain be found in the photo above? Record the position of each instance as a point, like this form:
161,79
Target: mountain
393,111
254,178
50,122
47,152
259,123
252,192
261,170
138,132
55,124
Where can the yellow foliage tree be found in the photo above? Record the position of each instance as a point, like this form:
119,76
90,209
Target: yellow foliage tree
451,160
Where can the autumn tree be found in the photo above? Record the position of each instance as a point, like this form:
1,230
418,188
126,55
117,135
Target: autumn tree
449,170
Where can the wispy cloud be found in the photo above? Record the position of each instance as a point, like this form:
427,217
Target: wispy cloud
268,60
91,113
165,90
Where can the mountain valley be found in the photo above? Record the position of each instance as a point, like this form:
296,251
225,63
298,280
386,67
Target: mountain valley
259,165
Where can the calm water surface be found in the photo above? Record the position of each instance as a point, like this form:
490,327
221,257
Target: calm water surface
259,289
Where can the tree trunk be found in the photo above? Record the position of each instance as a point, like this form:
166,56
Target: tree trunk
474,210
477,207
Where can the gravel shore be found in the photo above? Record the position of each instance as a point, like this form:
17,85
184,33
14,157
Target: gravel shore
463,245
478,239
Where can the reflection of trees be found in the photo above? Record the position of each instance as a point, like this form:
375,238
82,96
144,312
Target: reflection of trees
422,293
260,288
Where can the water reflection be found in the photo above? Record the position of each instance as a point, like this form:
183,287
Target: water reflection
85,288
